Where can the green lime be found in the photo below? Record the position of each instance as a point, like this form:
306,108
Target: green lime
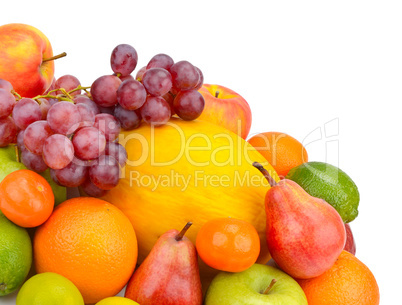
330,183
49,288
116,301
15,255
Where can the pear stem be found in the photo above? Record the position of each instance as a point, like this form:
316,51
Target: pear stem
183,231
270,286
217,93
261,168
55,57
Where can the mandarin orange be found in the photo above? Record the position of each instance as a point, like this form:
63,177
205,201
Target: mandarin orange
347,282
281,150
228,244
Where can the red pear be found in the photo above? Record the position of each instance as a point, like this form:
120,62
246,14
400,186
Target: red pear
169,275
305,234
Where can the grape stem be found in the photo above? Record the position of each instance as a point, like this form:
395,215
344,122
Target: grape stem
65,96
16,94
17,154
79,88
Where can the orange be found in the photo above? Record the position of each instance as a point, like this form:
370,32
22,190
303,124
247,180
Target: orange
347,282
228,244
90,242
281,150
26,198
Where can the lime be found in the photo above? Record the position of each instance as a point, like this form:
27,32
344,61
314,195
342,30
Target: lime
49,288
116,301
15,255
330,183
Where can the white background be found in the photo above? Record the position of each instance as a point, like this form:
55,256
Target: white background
303,66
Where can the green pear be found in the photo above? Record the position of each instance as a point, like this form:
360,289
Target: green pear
9,164
259,284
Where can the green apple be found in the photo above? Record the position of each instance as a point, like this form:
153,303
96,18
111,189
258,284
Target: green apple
9,164
260,284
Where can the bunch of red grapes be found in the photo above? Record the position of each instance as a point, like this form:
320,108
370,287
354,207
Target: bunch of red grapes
73,130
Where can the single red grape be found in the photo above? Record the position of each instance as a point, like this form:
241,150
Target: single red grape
189,104
157,81
155,111
124,59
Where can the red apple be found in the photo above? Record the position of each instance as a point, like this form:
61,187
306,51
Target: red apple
350,244
24,59
226,108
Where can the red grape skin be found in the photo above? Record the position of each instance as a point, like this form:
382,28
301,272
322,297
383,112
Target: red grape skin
105,172
25,112
35,135
184,75
20,140
32,161
108,110
117,151
44,105
7,103
58,151
129,119
6,85
8,131
83,99
155,111
131,94
103,90
68,82
89,143
127,77
87,115
64,118
169,98
72,175
124,59
140,73
91,189
157,81
108,125
201,80
189,104
160,61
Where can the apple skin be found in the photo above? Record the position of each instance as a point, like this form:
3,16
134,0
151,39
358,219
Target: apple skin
23,48
247,287
229,109
9,164
350,244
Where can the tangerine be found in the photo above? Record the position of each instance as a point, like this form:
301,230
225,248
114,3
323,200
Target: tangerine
90,242
281,150
228,244
26,198
347,282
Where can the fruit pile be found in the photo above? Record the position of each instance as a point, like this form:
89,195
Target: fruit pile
175,205
75,135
